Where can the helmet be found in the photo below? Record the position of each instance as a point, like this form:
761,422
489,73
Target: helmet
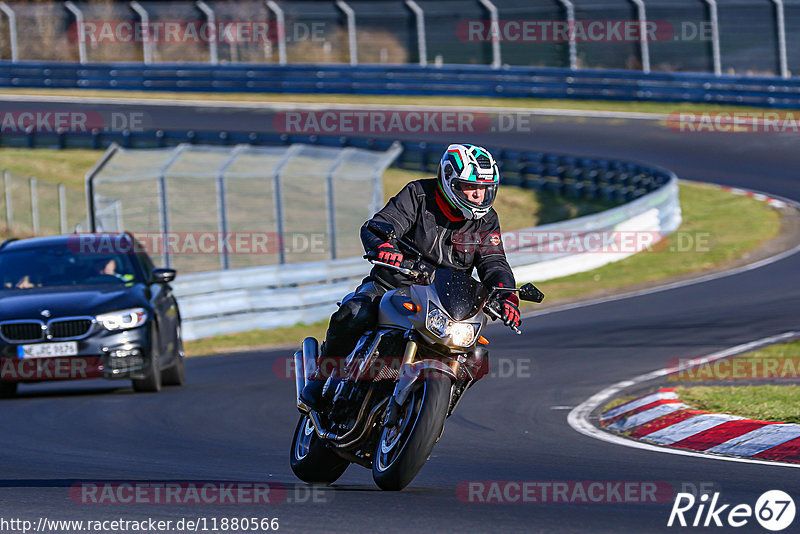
464,168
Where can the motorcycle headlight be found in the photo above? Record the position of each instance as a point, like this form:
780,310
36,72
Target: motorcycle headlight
437,322
123,319
463,334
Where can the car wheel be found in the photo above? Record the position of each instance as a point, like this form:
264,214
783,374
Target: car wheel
151,382
175,375
8,389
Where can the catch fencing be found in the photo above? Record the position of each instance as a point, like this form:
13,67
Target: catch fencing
240,206
31,207
718,36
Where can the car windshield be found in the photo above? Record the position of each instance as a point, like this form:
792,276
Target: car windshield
59,266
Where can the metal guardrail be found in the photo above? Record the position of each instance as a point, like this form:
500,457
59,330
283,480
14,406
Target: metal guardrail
465,80
270,297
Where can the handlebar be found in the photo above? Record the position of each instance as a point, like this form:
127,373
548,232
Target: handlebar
408,272
491,312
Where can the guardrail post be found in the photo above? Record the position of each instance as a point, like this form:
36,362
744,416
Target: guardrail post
419,16
494,31
781,23
62,208
12,29
213,51
573,49
148,43
714,19
34,205
644,45
7,192
351,30
79,21
280,22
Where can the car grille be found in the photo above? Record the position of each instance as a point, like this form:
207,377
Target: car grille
69,328
22,331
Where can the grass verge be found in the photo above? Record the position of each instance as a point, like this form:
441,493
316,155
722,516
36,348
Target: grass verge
483,102
767,403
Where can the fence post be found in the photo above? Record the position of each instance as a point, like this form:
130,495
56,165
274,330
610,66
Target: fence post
34,205
213,51
715,53
340,159
419,15
573,49
62,208
276,181
494,31
222,203
148,44
12,29
781,23
7,188
281,30
79,21
644,44
351,30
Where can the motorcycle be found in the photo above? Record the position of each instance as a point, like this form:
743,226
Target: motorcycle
387,402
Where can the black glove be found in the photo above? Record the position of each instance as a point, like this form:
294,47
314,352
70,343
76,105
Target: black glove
388,253
511,310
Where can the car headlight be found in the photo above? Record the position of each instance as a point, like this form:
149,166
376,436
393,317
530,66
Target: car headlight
437,322
123,319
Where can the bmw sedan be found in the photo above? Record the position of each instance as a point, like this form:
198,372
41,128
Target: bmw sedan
86,306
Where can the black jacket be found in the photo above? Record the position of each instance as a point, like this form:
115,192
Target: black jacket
459,245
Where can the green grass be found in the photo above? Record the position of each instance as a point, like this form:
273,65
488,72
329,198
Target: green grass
780,403
729,226
484,102
256,338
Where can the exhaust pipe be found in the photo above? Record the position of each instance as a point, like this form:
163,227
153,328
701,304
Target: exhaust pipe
305,365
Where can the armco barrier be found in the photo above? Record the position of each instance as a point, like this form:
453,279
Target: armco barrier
269,297
448,80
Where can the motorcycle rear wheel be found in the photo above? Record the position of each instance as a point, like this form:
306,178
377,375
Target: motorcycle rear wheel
403,449
310,459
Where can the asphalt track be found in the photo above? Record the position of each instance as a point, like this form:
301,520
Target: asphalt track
234,419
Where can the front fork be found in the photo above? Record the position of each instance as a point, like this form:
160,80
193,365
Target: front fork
410,372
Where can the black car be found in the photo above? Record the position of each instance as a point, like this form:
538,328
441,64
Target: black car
86,306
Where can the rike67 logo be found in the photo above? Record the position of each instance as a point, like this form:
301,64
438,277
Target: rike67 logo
774,510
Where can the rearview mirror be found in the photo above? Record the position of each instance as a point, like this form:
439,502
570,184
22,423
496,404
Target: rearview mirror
381,229
531,293
163,276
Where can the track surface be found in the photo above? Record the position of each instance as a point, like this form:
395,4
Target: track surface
234,419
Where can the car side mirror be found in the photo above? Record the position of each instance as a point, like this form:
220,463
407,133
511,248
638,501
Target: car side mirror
381,229
164,276
531,293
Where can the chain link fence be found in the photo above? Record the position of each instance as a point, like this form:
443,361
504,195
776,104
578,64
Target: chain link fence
205,208
726,36
31,207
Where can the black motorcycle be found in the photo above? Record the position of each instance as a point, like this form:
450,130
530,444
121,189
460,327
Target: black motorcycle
388,400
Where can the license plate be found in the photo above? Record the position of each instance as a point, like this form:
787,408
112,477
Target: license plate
48,350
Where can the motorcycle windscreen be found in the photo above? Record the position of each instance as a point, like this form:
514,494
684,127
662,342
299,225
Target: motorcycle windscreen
461,295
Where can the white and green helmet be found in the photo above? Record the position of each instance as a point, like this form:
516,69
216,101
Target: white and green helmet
468,166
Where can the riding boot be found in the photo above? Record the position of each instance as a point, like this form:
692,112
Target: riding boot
311,394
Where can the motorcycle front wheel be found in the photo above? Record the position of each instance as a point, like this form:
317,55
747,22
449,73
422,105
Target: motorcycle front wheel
310,459
404,448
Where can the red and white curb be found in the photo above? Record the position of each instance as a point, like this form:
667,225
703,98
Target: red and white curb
662,419
774,202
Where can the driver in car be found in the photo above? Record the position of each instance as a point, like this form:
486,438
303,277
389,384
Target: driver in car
450,219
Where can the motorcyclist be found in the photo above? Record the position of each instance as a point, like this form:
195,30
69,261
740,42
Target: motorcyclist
449,218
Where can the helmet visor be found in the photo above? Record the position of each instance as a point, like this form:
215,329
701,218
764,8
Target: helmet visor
475,194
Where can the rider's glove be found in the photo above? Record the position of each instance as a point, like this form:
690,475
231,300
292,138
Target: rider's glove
388,253
511,310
